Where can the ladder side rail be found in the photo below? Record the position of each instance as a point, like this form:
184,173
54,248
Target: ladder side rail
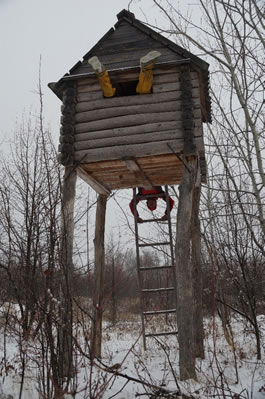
138,265
171,243
169,226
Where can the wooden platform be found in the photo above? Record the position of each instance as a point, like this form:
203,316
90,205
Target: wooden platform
157,170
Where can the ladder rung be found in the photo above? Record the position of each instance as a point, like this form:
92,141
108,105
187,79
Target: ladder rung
154,243
161,333
154,195
155,267
158,289
159,312
154,220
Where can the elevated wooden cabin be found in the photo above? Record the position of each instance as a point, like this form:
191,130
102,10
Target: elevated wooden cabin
133,140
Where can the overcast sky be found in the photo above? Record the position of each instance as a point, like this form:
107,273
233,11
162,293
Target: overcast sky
61,32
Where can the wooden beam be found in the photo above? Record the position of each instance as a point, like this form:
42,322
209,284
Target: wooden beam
184,272
66,277
98,305
133,166
137,139
66,149
95,184
127,120
85,103
187,110
112,112
135,150
127,131
198,333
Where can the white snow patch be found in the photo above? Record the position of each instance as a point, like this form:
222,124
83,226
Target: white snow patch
235,372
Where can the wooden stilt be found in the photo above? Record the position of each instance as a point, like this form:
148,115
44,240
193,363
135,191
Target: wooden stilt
96,331
198,334
66,261
184,273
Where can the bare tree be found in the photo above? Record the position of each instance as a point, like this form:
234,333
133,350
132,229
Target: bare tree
30,247
239,264
229,34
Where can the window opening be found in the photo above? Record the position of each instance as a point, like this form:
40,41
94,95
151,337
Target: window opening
125,88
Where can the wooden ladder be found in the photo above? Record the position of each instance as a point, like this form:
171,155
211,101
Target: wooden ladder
144,272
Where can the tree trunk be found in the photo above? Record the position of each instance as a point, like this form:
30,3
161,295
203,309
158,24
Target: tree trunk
184,273
66,253
96,332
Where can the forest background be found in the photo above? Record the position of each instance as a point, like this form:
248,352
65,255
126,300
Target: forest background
227,34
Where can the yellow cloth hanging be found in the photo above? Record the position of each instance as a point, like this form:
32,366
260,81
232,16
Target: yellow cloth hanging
105,83
144,85
145,82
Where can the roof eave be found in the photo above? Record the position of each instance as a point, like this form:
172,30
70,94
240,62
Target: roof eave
125,17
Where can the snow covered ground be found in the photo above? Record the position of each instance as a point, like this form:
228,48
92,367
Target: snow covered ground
223,374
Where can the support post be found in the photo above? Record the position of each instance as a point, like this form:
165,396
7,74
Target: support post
184,272
198,333
66,263
96,331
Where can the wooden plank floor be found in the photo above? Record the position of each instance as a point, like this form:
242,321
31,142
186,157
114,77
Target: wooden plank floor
157,170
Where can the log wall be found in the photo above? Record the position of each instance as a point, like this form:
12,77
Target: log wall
67,131
136,125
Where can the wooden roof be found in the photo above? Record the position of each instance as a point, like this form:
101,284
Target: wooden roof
122,46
